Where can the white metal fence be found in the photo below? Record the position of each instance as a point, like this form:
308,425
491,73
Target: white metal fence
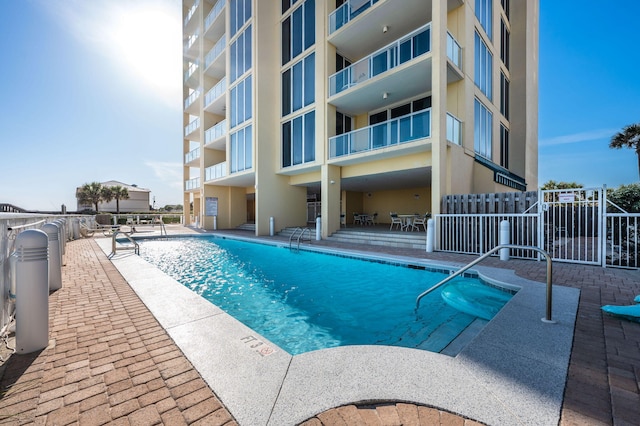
572,225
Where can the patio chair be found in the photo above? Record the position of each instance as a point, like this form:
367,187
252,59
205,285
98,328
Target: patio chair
357,219
419,220
374,219
395,220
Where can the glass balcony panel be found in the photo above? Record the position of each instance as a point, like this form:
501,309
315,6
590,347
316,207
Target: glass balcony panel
454,129
215,51
192,126
192,184
403,50
402,129
214,13
345,13
192,155
216,171
215,132
454,51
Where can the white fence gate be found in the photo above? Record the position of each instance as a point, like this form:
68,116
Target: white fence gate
572,225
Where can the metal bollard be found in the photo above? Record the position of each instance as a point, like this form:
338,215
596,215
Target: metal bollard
431,235
55,261
32,291
271,227
318,228
504,239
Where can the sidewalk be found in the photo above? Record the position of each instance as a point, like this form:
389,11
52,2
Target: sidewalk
109,361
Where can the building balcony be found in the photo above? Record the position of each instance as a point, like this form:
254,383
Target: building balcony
191,75
454,56
189,23
366,85
191,45
214,61
191,158
191,130
216,171
454,130
214,21
192,184
214,137
215,99
190,105
389,134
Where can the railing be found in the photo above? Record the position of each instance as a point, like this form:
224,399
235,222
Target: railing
216,171
454,51
454,130
192,39
191,99
192,126
345,13
193,183
299,233
397,131
477,233
546,255
217,9
216,91
215,132
622,244
114,244
215,51
192,155
397,53
192,10
190,71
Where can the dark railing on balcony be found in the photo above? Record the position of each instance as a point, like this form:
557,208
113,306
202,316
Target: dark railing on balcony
392,132
397,53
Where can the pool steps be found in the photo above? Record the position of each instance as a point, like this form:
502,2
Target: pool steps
374,236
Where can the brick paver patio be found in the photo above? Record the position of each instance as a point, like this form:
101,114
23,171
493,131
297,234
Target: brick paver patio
110,362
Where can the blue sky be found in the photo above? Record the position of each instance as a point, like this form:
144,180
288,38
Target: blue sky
81,100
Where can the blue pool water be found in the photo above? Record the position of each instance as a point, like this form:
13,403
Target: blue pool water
303,301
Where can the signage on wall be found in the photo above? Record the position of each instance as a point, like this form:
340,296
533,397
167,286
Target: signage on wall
211,206
566,197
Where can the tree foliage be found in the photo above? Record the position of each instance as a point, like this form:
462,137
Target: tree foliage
629,137
118,193
552,184
90,193
626,197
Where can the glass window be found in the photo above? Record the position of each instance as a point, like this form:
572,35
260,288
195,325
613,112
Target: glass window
309,79
421,43
504,96
248,151
240,12
248,110
484,12
482,129
241,149
483,71
286,144
286,92
506,7
286,40
298,140
310,136
504,43
241,102
298,85
240,54
504,146
296,33
309,23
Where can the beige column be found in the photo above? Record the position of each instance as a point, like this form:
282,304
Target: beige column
330,183
438,103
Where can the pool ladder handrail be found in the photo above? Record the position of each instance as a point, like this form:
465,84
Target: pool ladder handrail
300,236
546,255
114,246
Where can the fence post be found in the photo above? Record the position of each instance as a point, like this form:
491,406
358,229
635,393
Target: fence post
431,235
504,239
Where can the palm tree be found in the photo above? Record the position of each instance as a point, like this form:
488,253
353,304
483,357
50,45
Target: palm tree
119,193
629,137
90,193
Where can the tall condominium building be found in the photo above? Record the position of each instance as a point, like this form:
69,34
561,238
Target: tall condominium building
297,109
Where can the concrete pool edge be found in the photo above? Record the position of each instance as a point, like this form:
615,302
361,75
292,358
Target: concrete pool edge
491,380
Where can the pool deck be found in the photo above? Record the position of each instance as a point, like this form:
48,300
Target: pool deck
110,360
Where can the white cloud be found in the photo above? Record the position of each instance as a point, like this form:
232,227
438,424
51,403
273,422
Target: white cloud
591,135
167,172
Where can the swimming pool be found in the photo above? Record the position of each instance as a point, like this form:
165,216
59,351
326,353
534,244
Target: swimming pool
304,301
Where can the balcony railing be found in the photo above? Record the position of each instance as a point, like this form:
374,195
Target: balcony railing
217,9
389,133
192,69
192,39
216,91
216,171
192,10
397,53
192,184
215,132
191,99
194,154
345,13
192,126
215,51
454,51
454,130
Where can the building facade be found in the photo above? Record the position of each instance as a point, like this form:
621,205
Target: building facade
361,106
138,200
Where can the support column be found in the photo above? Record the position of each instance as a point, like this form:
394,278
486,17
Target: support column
330,187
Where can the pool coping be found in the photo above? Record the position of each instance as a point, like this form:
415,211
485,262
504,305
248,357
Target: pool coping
514,371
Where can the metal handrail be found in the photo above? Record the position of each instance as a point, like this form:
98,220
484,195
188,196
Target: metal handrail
136,246
489,253
295,232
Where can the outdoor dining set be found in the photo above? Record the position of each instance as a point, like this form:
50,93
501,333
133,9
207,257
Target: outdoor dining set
401,222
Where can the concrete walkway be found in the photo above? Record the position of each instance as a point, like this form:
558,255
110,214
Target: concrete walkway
109,361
